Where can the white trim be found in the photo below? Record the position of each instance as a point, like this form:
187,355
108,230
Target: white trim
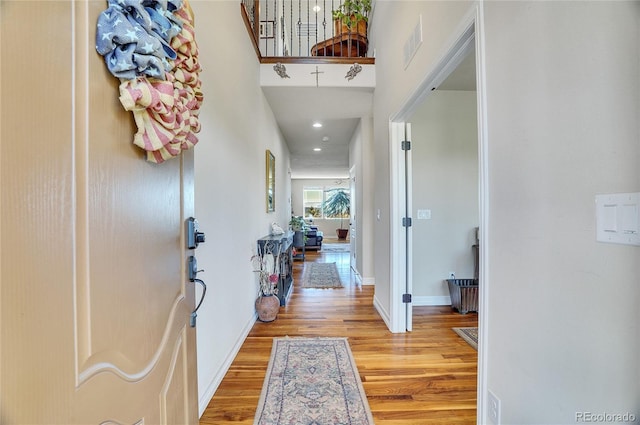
213,385
427,300
382,312
368,280
397,254
482,416
360,280
408,232
356,276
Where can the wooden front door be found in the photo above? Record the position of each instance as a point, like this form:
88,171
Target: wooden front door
95,300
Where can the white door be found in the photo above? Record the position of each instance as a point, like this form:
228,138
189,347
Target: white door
95,301
401,243
352,219
408,249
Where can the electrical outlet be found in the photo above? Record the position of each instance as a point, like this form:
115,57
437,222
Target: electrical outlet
494,408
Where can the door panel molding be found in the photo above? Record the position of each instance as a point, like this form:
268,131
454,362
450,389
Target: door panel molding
129,258
116,363
88,362
175,384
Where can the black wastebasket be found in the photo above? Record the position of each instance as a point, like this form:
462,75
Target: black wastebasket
464,294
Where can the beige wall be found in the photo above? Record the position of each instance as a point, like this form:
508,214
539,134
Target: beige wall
392,25
237,128
361,158
444,152
563,96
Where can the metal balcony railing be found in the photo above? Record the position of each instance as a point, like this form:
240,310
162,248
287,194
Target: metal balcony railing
302,30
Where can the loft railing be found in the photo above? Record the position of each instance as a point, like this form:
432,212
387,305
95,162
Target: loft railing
303,31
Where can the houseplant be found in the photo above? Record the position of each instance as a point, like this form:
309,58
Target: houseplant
352,16
297,223
267,265
299,226
338,204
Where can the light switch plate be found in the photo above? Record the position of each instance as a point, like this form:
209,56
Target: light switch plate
618,218
424,214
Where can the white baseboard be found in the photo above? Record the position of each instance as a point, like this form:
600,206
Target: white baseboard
382,312
213,385
363,280
368,280
424,300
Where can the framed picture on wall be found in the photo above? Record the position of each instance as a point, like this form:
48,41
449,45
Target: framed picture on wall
271,182
267,29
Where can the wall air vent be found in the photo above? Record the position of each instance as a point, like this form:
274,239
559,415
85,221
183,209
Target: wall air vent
413,43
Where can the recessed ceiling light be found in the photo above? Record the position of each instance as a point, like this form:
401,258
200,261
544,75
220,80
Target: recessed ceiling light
317,149
317,125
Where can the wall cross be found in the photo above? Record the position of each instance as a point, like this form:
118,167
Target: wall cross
317,72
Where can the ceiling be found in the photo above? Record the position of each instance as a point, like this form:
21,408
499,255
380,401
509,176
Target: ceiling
339,111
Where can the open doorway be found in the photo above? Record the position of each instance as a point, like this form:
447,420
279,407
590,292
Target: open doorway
466,45
447,143
445,189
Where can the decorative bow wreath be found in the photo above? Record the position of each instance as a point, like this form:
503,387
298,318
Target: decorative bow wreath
150,46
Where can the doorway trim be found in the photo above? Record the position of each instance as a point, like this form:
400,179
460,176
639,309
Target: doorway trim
469,33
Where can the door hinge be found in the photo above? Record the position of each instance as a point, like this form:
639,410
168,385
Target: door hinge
406,145
406,222
406,298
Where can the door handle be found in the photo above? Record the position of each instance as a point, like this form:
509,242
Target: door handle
194,236
193,272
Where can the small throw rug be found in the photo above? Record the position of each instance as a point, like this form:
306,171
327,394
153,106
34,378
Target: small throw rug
468,334
312,381
321,275
335,247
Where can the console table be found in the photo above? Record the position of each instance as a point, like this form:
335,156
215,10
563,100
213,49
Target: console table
281,244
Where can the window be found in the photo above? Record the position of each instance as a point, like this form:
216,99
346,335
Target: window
314,197
312,202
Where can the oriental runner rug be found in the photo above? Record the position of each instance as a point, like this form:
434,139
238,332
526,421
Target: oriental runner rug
321,275
312,381
468,334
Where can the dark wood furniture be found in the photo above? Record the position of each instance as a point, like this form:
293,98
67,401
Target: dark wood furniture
351,45
299,245
282,246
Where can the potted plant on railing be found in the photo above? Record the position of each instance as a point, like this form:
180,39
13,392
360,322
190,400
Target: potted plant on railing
352,16
338,205
266,264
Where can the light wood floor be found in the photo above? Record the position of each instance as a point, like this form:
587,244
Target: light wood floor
427,376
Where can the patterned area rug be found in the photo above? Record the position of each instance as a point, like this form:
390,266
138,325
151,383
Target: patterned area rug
335,247
468,334
312,381
321,275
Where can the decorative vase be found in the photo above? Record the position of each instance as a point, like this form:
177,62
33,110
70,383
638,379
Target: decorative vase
359,27
267,307
342,233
